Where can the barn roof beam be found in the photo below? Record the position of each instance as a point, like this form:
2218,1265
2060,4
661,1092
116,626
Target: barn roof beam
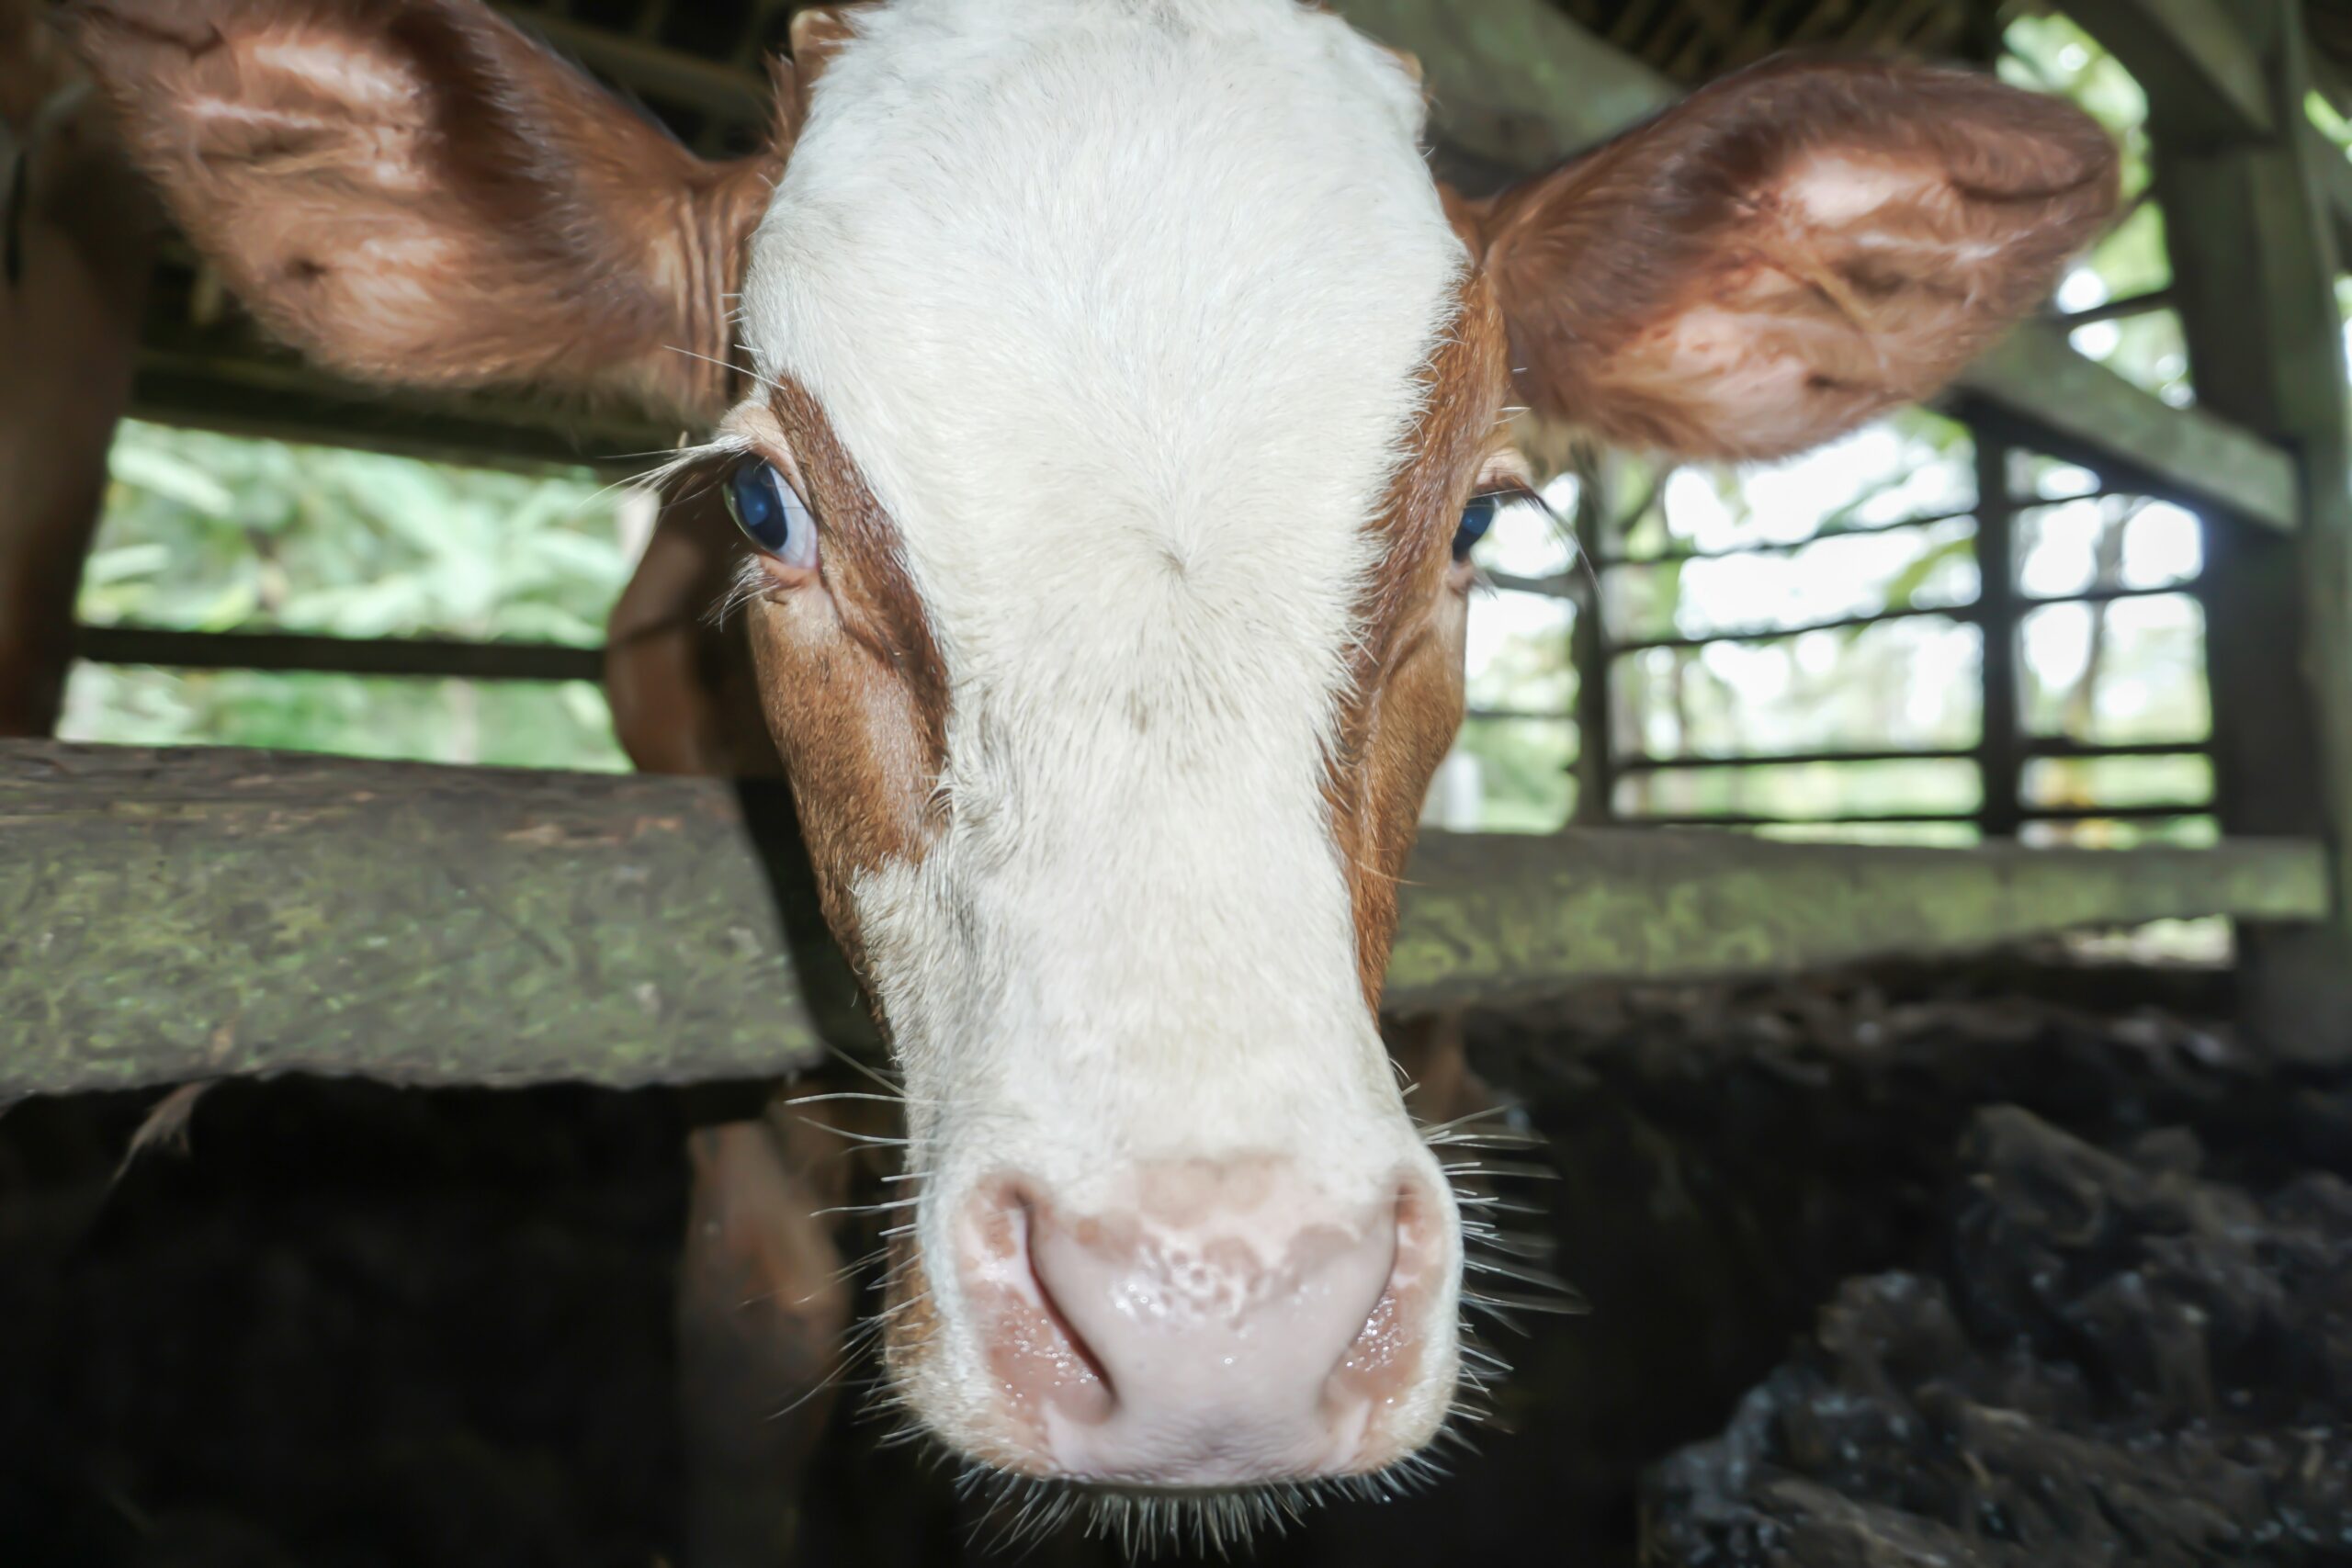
193,912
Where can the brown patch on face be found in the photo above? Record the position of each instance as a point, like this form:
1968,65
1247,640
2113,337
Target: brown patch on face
1405,704
850,680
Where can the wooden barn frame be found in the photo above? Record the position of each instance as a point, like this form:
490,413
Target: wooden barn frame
190,914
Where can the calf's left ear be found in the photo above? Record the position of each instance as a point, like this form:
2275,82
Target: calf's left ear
1788,253
416,194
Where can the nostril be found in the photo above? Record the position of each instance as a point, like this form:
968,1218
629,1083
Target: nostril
1073,1343
1385,1357
1038,1360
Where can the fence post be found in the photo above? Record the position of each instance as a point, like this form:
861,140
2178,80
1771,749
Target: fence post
2254,271
2001,751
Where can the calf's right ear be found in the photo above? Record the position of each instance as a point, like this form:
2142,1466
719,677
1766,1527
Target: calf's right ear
414,192
1789,252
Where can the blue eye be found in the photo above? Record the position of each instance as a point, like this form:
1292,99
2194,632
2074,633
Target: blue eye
772,514
1476,518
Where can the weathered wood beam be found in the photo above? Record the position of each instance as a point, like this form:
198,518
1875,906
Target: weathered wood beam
1515,83
242,390
194,913
1490,918
2196,58
2041,386
726,93
1520,84
2333,171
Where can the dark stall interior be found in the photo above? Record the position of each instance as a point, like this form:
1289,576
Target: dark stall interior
2022,1263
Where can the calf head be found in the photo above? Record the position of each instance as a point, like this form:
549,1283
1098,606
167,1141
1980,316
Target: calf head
1105,390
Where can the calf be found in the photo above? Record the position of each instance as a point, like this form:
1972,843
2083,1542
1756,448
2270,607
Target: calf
1102,387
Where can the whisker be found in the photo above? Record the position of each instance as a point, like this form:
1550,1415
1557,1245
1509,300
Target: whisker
1518,1169
743,370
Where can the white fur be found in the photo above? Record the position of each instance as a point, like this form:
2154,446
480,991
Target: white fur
1118,304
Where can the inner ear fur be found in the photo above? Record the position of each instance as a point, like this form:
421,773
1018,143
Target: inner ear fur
817,32
1789,252
415,192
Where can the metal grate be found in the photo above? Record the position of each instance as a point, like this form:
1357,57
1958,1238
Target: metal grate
2005,747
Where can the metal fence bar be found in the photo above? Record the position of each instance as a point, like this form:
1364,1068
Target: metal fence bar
1971,610
2109,595
1650,765
2032,748
2000,755
2104,492
289,653
2116,309
1782,547
1596,763
1962,611
1846,531
2157,811
2066,747
1569,584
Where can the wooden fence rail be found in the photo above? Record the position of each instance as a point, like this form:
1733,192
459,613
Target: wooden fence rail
190,913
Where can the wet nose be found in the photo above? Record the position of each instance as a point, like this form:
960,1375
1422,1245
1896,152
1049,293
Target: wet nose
1232,1325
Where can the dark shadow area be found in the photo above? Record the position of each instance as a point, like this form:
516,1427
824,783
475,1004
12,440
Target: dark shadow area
357,1326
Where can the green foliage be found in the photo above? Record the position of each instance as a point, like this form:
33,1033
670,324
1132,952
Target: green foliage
2051,54
498,723
1524,773
218,533
215,532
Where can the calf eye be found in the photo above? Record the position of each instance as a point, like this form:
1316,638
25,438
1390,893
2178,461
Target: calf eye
772,514
1476,518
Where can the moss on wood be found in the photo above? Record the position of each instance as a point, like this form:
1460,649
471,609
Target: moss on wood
195,913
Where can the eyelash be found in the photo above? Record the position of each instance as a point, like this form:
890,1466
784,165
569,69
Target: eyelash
1512,491
1485,504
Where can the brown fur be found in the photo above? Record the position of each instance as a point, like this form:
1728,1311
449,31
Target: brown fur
856,693
415,192
678,678
1609,266
1405,703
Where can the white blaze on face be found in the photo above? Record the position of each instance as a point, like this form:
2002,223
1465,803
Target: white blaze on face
1118,306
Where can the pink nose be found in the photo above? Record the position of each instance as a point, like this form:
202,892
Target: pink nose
1234,1325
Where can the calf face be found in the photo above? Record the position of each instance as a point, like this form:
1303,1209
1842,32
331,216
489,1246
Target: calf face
1109,386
